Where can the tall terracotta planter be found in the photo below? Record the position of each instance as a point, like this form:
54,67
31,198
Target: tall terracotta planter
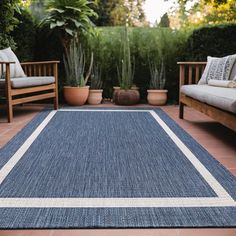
95,96
157,97
76,96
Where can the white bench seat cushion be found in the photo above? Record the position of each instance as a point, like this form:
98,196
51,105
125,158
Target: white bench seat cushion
223,98
27,82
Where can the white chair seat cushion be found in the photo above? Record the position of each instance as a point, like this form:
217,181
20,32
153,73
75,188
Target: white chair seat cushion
223,98
26,82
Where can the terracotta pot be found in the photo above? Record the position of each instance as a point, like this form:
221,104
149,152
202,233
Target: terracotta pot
95,96
76,96
135,88
126,97
115,88
157,97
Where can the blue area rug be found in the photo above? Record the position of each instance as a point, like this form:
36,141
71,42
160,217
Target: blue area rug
86,168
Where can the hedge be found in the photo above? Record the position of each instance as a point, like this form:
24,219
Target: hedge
216,41
146,44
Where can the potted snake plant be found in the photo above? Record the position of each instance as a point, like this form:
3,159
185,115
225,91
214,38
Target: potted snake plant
76,90
95,91
125,95
157,95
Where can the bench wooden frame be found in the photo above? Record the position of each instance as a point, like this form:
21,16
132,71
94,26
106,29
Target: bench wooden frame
45,68
190,73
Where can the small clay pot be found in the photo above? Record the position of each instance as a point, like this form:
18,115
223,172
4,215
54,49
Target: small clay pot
95,96
157,97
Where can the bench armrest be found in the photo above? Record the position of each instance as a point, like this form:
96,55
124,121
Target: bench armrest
190,72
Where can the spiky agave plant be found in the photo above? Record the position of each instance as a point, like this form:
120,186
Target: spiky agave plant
158,76
74,63
126,69
96,77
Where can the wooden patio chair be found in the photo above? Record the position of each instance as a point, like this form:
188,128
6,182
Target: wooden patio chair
41,82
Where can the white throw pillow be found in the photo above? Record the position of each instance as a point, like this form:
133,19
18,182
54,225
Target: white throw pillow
218,68
222,83
16,69
203,79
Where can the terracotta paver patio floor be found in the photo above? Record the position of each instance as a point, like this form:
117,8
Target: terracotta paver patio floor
217,139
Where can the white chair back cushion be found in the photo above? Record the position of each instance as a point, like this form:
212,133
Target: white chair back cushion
15,69
3,58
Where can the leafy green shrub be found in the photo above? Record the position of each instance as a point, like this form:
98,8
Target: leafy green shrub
24,35
157,45
6,41
211,41
105,43
7,22
69,18
146,44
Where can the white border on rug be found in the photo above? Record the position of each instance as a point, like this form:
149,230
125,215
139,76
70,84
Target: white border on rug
223,199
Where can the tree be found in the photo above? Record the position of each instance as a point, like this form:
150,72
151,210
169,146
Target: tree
164,22
104,9
120,12
203,12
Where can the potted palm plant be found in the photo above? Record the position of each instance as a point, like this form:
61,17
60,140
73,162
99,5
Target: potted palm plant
125,95
76,92
157,95
95,92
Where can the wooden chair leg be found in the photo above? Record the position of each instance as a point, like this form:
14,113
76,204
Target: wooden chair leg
56,106
9,111
181,110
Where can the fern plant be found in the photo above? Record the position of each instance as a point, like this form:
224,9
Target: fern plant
74,63
158,76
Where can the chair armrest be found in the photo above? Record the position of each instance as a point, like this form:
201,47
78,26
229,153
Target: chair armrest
40,63
192,63
42,68
7,73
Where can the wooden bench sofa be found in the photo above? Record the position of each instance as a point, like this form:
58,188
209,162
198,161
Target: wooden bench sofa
190,74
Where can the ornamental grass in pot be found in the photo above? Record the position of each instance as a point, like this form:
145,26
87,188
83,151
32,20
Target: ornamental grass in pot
157,95
95,91
126,95
76,92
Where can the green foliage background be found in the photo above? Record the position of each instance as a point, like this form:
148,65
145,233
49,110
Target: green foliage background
24,35
7,22
146,44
